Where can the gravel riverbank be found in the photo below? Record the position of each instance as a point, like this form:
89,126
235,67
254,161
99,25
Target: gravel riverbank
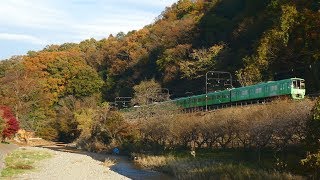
66,165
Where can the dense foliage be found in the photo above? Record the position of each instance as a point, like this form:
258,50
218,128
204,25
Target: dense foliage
313,136
312,160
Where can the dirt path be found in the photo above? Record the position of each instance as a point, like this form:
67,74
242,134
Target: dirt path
72,164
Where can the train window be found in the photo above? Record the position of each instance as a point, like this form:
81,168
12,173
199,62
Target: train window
298,84
274,88
244,93
258,90
302,84
294,84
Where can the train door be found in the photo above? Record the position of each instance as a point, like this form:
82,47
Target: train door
266,91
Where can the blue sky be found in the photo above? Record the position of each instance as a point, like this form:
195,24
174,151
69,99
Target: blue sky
32,24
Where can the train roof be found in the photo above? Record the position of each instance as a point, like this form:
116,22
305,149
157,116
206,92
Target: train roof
269,82
297,78
284,80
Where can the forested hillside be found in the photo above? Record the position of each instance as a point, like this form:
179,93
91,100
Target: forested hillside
254,40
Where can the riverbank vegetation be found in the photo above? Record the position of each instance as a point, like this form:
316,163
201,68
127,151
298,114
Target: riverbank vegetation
262,140
22,160
217,165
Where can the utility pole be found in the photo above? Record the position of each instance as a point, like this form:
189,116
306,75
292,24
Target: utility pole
220,76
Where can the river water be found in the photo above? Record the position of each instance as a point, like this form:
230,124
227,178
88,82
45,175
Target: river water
128,169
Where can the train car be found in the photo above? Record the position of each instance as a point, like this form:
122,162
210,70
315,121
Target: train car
213,98
191,101
294,87
218,97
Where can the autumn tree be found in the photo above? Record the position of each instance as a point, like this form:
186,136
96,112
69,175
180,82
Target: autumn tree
11,126
201,61
60,74
148,92
63,73
20,91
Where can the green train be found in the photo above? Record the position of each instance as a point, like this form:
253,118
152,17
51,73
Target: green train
293,87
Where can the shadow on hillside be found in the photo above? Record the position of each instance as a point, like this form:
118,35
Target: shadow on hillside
123,165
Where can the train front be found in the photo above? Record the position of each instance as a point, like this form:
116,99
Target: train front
298,90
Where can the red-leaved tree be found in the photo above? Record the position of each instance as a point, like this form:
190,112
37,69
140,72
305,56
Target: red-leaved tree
11,124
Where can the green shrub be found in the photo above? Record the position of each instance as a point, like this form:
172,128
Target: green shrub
103,129
48,133
21,161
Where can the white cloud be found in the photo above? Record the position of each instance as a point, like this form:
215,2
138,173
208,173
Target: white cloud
160,3
58,21
32,13
22,37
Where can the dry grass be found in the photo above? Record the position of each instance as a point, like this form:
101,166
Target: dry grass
153,161
109,162
190,168
255,126
159,163
226,171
